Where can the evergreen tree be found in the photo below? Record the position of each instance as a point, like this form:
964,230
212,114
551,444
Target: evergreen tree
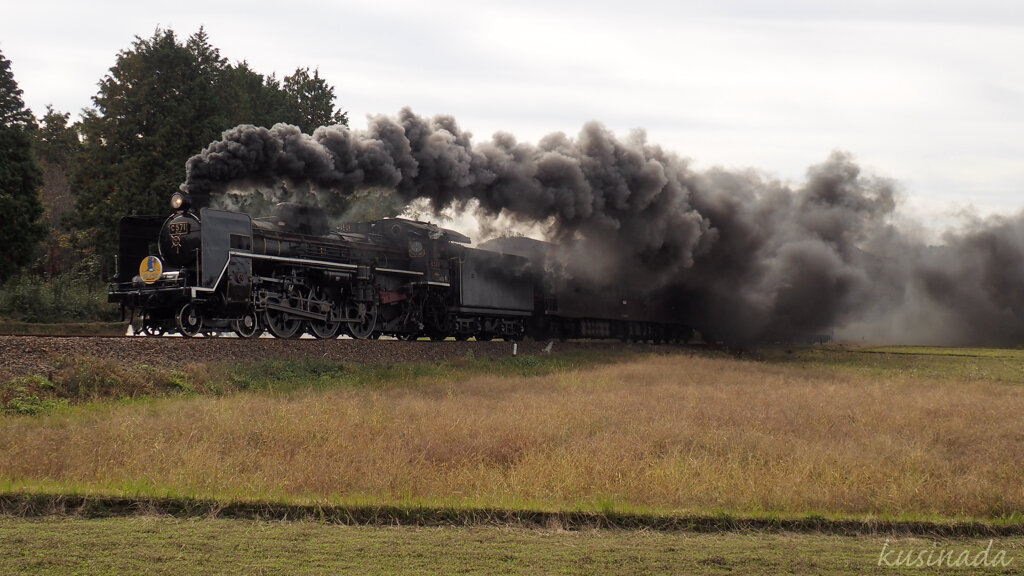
20,178
250,98
56,147
56,140
135,136
162,102
314,100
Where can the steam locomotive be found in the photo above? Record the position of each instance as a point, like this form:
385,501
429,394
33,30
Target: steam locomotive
210,272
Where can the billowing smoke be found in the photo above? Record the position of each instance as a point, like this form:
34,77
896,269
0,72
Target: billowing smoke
967,290
740,256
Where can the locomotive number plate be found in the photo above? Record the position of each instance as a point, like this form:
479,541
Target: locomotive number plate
177,231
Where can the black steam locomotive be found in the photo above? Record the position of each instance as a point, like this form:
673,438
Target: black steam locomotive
213,271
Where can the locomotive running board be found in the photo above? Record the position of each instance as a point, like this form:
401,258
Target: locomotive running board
303,261
399,272
235,253
318,263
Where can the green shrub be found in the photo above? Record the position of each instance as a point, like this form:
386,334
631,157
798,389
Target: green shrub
76,295
28,395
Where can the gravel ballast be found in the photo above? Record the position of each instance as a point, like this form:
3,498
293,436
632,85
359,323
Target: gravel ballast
23,355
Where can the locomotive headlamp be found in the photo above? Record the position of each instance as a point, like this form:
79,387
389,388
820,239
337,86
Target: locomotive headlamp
179,201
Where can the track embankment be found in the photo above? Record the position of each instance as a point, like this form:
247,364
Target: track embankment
22,355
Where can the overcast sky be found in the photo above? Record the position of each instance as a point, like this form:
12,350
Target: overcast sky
929,93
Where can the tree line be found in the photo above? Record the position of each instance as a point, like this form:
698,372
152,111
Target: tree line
65,184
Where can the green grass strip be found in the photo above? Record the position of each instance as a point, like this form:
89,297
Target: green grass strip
43,505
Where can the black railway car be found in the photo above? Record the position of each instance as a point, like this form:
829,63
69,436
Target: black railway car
566,307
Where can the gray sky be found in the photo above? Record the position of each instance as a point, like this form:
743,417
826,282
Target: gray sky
929,93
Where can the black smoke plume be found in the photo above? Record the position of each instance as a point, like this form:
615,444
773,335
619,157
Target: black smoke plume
740,256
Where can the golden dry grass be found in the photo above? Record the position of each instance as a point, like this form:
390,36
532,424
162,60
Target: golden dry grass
668,434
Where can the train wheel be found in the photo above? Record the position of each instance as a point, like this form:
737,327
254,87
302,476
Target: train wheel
282,324
364,319
324,330
189,320
248,326
329,328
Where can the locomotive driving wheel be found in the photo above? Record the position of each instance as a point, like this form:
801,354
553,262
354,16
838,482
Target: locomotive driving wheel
362,318
321,305
189,320
281,323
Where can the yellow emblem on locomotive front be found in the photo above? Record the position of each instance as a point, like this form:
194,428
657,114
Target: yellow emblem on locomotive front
150,269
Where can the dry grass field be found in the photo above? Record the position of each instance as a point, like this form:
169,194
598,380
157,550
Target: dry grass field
671,434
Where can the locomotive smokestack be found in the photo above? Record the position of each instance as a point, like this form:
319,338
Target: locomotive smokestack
743,256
